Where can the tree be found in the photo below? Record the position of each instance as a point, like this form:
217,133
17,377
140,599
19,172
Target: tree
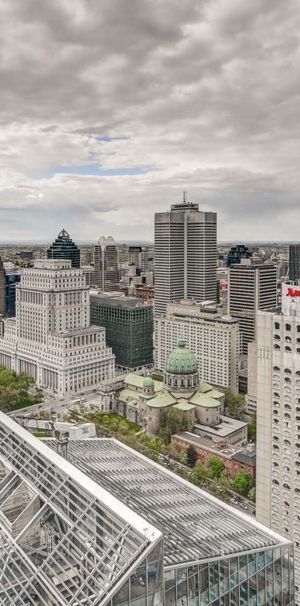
191,456
242,482
252,429
216,467
173,421
234,405
17,391
199,474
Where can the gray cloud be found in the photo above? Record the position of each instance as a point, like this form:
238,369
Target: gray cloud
205,93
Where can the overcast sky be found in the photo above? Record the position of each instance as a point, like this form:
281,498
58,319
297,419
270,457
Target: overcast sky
110,108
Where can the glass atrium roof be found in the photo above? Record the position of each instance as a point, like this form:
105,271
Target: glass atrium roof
196,526
64,540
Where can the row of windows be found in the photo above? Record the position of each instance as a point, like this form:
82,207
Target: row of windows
288,326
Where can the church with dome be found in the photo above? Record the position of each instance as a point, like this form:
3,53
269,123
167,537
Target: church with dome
144,400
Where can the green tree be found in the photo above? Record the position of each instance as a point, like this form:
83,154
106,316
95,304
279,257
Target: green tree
242,482
17,391
252,429
234,405
173,421
199,474
216,467
191,456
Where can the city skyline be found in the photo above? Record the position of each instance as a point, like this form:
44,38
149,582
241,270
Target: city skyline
109,112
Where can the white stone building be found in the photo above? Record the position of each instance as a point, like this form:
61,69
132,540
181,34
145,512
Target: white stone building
51,338
212,337
278,421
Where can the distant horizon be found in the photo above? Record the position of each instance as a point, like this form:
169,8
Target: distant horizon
141,242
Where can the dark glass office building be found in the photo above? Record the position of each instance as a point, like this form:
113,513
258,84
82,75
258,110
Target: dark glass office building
237,253
64,248
129,328
294,262
11,280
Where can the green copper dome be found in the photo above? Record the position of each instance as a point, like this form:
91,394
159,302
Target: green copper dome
148,382
181,361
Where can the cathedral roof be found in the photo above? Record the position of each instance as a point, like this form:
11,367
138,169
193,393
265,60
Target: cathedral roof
181,361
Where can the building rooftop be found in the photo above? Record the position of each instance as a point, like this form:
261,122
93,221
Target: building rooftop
181,361
116,301
228,452
128,395
162,399
205,400
184,405
224,429
63,536
138,381
196,526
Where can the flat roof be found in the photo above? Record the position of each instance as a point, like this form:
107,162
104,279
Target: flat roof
225,427
196,526
124,302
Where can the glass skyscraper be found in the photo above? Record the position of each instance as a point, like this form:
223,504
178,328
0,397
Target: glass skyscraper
294,262
128,323
64,248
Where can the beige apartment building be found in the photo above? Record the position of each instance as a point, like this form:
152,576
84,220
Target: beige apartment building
212,337
278,421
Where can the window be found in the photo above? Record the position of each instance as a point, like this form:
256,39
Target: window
276,325
288,327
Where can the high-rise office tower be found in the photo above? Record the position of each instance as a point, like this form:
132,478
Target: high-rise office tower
294,262
51,338
278,421
2,288
185,255
12,279
128,324
135,258
106,265
250,288
64,248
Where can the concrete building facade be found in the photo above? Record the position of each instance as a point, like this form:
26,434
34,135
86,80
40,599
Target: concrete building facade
185,255
250,288
2,288
212,337
106,265
51,338
278,421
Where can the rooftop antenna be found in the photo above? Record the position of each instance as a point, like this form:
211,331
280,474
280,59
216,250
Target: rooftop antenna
184,197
